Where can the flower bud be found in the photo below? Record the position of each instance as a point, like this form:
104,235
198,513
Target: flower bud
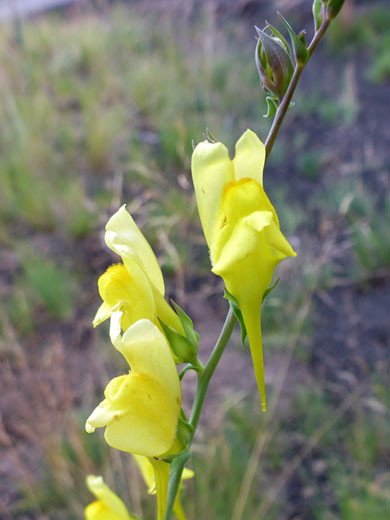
184,347
273,63
333,7
318,14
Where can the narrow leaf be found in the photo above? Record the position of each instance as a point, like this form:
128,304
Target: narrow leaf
188,326
300,49
238,314
270,288
271,107
279,35
182,347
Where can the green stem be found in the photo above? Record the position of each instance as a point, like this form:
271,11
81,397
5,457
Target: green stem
204,379
175,473
203,383
284,105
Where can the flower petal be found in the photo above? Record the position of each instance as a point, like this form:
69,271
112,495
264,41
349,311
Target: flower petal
241,242
146,417
212,168
103,313
130,292
98,511
166,314
245,208
250,157
188,473
115,329
142,409
106,411
251,312
161,475
147,352
114,508
125,238
247,247
279,242
147,472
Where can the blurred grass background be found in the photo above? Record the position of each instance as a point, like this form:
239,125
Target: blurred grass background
99,105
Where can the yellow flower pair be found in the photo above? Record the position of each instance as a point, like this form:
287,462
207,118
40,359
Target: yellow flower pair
241,229
141,409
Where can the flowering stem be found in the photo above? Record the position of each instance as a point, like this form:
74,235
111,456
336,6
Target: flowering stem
204,376
203,383
284,105
204,379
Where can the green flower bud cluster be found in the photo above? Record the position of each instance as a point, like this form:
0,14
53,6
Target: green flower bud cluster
276,61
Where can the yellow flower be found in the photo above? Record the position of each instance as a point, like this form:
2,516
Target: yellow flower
156,474
108,505
141,409
135,287
241,228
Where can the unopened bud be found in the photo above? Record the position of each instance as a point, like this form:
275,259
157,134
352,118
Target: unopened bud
318,14
184,347
273,63
333,7
184,351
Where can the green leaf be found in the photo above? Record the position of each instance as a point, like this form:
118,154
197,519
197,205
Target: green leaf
238,314
184,432
279,35
184,350
188,326
318,14
270,289
210,138
188,367
271,106
300,48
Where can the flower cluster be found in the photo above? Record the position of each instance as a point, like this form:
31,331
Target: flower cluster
141,411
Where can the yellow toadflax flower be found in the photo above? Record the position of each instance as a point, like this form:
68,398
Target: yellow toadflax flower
141,410
135,287
156,475
241,229
108,505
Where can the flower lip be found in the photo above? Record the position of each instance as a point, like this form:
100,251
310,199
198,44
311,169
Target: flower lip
232,184
140,410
